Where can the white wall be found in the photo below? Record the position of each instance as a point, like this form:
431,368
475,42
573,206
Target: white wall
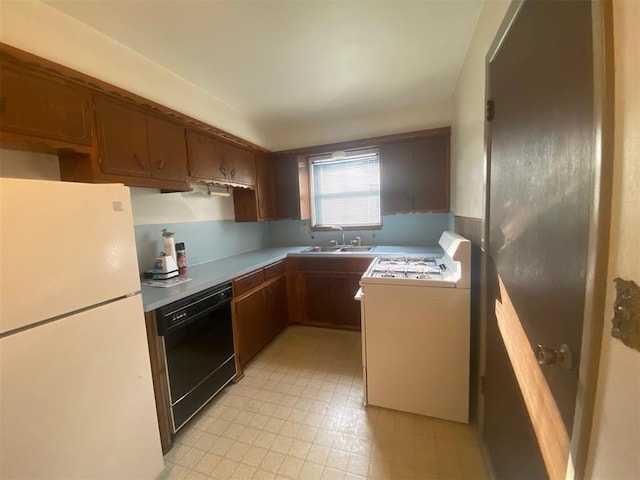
45,31
37,166
467,126
615,447
151,207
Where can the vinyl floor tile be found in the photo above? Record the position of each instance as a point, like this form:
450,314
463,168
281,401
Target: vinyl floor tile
298,414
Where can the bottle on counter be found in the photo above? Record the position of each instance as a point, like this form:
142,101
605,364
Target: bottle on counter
182,259
169,244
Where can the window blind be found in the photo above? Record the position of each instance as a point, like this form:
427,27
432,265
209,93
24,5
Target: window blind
346,192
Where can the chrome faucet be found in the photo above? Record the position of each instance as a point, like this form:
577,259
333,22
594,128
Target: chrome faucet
356,242
335,227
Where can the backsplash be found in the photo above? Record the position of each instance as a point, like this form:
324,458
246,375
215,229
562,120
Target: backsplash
204,241
405,229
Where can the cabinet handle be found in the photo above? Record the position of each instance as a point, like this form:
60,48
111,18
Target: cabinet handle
233,172
139,162
223,171
3,104
161,164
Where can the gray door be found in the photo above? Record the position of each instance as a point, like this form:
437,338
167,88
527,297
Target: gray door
539,193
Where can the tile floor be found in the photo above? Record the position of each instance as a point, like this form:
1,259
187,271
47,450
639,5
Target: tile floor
298,414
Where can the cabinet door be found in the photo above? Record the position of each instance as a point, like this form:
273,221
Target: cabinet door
251,326
254,205
281,314
431,174
265,187
42,107
239,164
204,163
276,308
329,300
291,181
397,173
167,149
122,137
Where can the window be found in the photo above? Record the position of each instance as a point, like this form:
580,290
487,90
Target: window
345,189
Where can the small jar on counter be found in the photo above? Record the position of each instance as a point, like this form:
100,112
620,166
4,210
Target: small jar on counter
182,258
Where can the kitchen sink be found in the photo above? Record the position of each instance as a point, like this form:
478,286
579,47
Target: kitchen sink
322,249
337,249
356,249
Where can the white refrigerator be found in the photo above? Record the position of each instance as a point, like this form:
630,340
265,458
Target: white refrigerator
76,394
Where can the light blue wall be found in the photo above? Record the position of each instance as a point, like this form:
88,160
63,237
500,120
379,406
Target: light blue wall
211,240
204,241
406,229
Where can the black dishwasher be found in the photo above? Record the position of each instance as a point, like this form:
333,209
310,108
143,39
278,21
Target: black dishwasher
197,335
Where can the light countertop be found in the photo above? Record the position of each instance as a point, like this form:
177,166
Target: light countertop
210,274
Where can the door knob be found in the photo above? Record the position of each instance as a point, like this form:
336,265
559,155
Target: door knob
550,356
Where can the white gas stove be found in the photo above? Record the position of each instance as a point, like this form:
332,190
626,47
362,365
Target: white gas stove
416,317
450,270
418,270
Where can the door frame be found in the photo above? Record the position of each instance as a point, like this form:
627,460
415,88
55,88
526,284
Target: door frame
599,224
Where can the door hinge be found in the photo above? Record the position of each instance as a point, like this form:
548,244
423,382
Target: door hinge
482,382
490,112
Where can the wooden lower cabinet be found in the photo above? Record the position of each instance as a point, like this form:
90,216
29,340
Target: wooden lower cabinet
321,290
330,300
260,314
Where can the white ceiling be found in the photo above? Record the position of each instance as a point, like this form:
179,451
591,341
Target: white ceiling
285,63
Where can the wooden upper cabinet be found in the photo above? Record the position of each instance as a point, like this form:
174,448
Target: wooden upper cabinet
265,188
122,138
396,177
167,149
238,163
132,143
200,150
415,175
291,181
431,174
43,107
214,160
254,205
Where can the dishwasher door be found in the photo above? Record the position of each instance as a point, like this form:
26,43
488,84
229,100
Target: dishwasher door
197,335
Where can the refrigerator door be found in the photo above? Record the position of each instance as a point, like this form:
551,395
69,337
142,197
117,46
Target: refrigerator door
63,247
77,398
